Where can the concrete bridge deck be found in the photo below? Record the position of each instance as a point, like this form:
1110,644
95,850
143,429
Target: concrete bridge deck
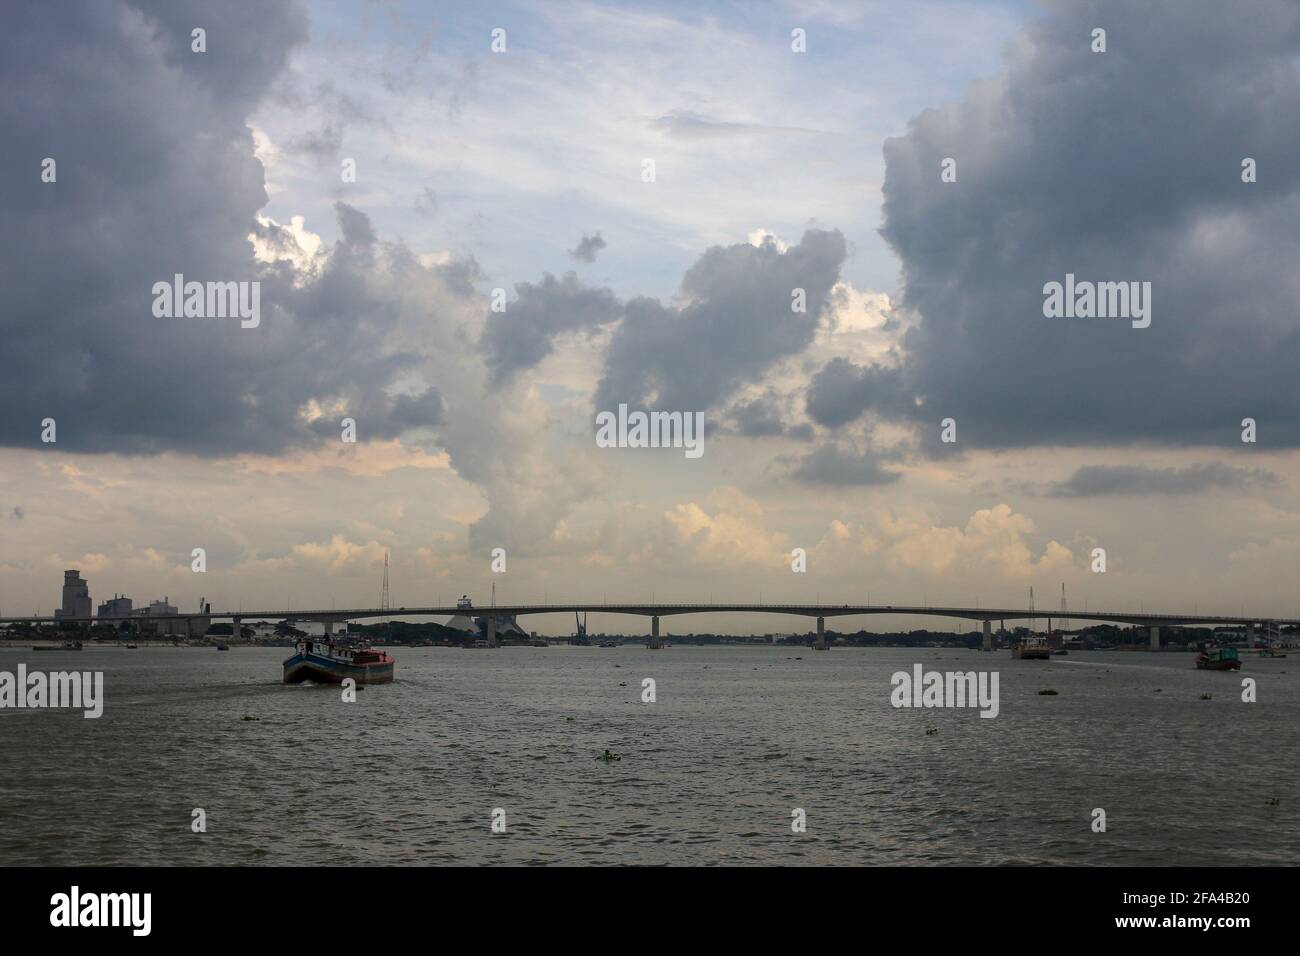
653,610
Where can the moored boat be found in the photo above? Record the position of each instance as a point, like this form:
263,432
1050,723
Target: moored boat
1033,648
327,663
1218,659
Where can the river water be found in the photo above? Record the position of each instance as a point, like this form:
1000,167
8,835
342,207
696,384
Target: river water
738,738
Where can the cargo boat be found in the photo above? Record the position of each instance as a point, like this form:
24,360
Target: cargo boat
1032,649
1218,659
327,663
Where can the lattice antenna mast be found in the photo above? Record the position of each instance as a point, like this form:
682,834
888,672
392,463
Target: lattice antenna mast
385,603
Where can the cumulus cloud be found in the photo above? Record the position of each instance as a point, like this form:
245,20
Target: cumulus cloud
993,539
157,175
1122,166
735,322
726,531
759,418
841,391
524,334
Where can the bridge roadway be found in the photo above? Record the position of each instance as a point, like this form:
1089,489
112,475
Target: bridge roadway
1150,619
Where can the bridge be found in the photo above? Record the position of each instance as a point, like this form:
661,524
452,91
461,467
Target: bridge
1154,621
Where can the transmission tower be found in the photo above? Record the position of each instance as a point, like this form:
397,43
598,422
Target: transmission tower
384,603
383,598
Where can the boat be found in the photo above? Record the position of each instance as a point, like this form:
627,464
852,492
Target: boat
609,643
1060,652
1033,648
325,662
223,647
1218,659
131,647
1269,652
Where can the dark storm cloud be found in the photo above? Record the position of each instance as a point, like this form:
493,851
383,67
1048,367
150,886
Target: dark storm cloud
524,334
1096,480
842,390
762,418
758,419
1116,166
156,176
588,248
835,465
736,323
247,42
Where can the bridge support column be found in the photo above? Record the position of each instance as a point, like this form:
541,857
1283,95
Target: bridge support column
656,643
988,635
821,634
492,632
234,629
1155,638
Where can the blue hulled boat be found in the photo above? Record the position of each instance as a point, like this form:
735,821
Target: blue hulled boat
325,662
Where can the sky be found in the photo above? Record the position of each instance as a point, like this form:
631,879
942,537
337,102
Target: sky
919,172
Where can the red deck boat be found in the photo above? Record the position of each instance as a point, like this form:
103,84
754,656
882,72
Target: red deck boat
328,663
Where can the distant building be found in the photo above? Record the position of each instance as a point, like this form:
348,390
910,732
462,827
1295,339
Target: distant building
184,628
161,607
76,596
119,606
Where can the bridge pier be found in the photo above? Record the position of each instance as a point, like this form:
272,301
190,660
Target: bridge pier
235,632
656,643
492,632
1155,638
821,634
988,635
